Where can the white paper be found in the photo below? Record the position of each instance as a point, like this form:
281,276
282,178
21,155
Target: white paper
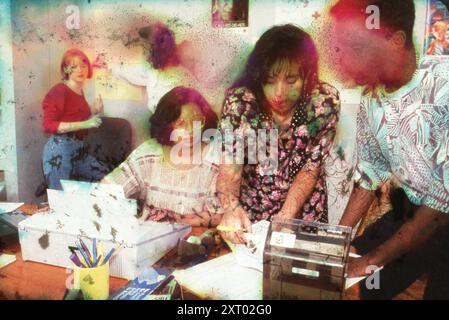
252,256
9,206
95,215
222,279
114,191
6,259
352,281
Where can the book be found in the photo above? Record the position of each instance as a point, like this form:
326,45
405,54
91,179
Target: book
146,284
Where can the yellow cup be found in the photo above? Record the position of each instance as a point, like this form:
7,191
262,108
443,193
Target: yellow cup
93,282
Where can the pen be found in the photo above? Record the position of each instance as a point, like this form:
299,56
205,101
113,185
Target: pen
86,251
100,253
98,260
83,254
113,252
94,250
108,255
81,259
76,260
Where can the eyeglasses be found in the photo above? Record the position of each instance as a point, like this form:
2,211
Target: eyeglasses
182,123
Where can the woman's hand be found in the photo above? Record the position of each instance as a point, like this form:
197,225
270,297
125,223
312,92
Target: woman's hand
235,220
98,107
93,122
358,267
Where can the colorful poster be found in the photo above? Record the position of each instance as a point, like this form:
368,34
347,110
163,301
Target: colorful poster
229,13
437,29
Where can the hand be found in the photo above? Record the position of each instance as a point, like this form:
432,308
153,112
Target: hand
283,215
98,105
358,267
239,220
93,122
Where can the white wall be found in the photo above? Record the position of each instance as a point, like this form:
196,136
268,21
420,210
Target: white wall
8,155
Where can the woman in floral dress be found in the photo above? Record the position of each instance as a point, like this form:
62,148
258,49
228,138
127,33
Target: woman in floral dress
279,89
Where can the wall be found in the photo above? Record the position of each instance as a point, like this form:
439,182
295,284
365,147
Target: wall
8,151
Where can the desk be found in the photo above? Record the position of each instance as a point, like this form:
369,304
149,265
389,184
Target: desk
32,280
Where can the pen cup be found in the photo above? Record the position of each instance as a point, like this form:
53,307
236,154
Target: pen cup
93,282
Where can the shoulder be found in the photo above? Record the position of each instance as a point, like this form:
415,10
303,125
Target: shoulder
240,100
57,90
240,94
149,149
325,100
240,106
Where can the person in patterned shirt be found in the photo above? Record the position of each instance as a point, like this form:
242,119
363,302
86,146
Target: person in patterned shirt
402,135
278,90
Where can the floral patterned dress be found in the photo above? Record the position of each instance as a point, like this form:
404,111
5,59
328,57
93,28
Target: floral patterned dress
305,144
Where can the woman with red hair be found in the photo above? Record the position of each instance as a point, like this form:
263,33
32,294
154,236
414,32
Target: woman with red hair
67,116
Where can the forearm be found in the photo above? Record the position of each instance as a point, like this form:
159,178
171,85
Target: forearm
425,223
65,127
358,205
300,190
228,186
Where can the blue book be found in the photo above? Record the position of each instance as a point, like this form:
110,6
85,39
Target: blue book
143,286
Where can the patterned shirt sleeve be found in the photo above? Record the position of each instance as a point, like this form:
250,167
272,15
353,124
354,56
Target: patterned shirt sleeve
371,170
324,116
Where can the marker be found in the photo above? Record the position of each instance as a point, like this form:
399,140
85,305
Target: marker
76,260
86,251
80,249
94,250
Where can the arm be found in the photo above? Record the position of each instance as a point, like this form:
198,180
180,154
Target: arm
53,108
136,74
358,204
228,189
65,127
299,192
371,171
316,152
237,113
412,235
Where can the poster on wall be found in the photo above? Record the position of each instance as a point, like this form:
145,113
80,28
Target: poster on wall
437,29
229,13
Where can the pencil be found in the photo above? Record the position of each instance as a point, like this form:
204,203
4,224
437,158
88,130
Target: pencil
228,229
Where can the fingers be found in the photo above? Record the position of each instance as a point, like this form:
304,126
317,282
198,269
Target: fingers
233,237
247,223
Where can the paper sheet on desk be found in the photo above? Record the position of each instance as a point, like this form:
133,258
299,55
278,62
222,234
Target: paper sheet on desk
96,189
9,206
222,279
6,259
252,257
352,281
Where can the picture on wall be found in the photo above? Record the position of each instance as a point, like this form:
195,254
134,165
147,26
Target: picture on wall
229,13
437,29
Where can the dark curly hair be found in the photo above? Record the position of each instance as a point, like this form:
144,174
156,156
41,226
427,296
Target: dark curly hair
168,111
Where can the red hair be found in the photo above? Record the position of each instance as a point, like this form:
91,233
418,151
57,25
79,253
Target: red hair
68,56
